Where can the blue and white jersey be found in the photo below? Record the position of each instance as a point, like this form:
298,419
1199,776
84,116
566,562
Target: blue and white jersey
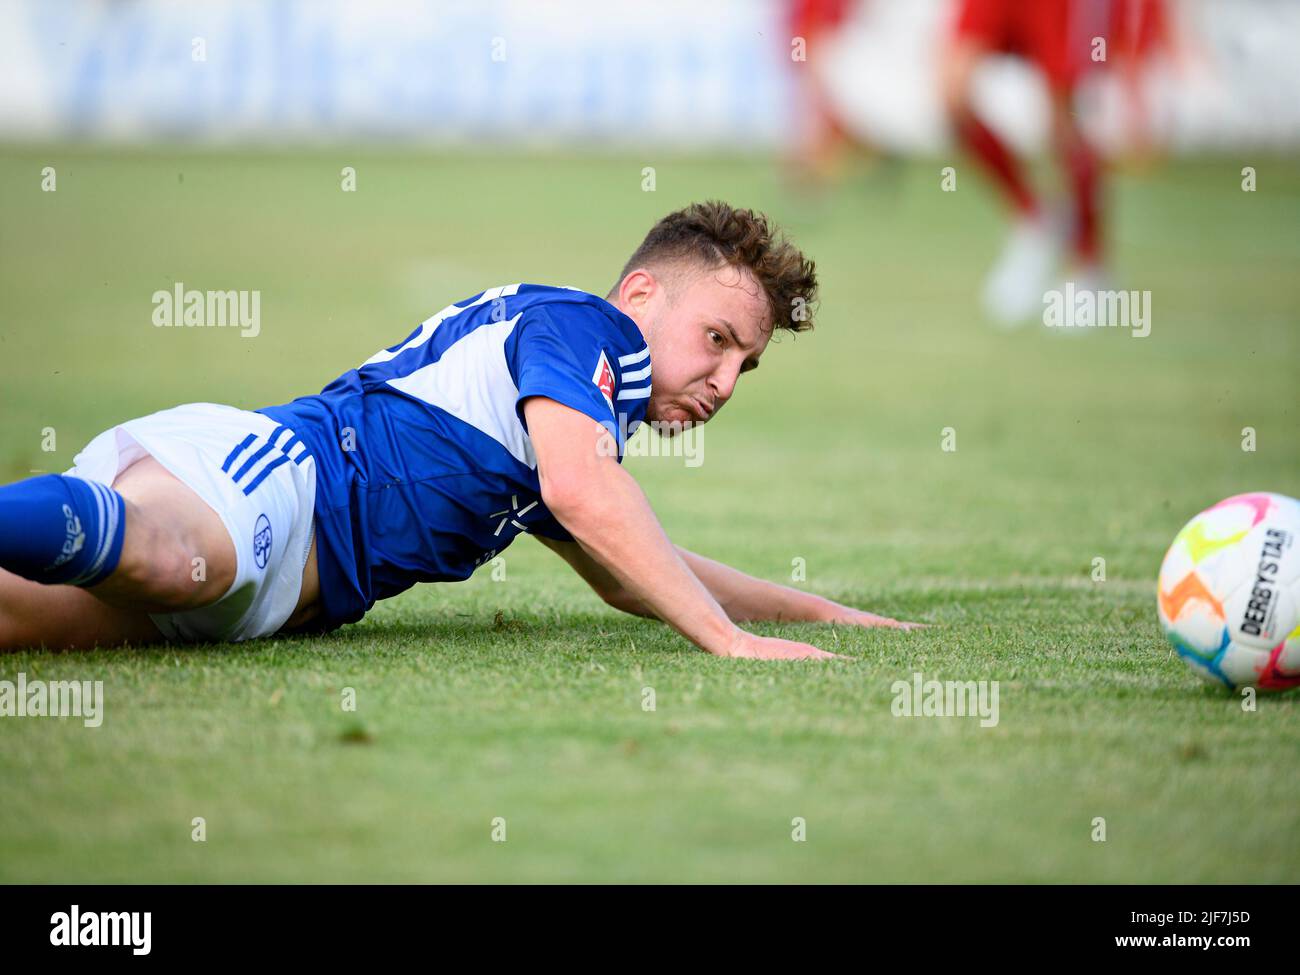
424,466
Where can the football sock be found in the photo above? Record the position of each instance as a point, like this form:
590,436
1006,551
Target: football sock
1002,166
1085,176
57,529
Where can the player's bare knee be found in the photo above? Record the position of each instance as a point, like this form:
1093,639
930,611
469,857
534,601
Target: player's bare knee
956,80
163,567
957,103
204,565
1063,127
175,576
171,580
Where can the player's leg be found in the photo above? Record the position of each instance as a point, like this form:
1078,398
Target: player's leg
1014,288
1133,27
146,544
981,29
33,615
1062,39
1082,167
177,554
820,138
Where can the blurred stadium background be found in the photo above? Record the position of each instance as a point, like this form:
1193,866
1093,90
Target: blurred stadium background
516,141
583,75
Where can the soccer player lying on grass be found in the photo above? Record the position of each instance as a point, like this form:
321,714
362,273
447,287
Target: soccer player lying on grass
505,413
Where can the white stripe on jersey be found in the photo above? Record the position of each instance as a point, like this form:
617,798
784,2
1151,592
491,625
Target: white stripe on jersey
428,326
633,358
471,381
642,393
631,377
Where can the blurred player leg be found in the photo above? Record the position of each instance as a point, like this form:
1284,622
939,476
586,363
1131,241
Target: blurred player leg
1082,166
963,57
1014,288
821,140
1132,29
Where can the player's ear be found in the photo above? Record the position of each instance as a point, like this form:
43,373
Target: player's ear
637,289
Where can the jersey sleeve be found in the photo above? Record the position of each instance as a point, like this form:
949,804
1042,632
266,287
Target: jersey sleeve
573,355
569,360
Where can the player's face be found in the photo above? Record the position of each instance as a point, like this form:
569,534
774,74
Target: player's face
713,328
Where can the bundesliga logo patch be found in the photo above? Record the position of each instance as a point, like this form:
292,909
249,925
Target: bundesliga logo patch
603,377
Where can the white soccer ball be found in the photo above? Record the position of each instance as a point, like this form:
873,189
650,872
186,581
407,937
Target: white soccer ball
1229,592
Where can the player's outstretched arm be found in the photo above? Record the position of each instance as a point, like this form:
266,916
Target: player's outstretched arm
744,597
593,573
605,510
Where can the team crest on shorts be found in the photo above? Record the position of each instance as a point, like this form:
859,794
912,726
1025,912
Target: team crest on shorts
262,541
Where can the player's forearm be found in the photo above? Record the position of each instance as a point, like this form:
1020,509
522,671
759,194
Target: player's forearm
614,524
744,597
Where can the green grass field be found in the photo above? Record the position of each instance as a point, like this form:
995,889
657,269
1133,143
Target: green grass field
521,698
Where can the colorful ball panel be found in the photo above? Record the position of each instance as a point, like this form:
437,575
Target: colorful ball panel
1229,592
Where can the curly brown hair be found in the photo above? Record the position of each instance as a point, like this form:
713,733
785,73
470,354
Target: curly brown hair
714,235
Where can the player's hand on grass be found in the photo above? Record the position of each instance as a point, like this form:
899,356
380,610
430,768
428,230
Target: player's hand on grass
849,616
773,648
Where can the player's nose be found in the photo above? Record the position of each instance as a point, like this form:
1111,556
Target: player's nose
723,384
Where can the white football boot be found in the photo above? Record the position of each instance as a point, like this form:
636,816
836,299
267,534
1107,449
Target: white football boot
1013,293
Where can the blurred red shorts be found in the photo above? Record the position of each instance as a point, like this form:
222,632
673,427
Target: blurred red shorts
813,18
1058,36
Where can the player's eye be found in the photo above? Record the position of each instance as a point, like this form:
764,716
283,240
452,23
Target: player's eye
716,337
